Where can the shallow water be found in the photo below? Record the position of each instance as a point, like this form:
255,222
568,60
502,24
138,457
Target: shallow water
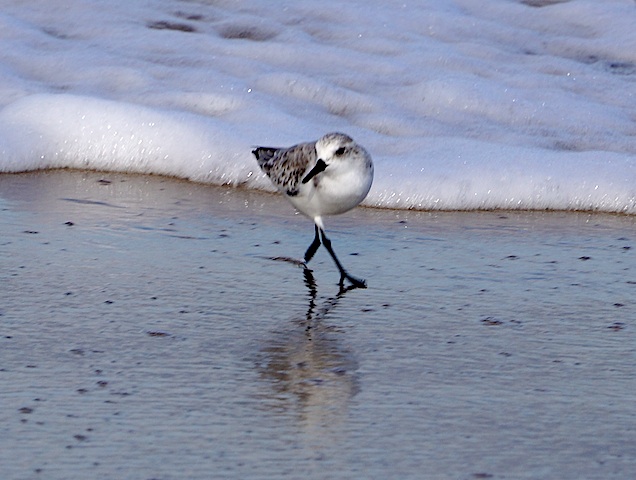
146,333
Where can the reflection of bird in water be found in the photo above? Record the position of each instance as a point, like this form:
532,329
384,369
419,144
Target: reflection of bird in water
311,372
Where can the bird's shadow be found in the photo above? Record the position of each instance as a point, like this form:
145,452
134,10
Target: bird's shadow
310,371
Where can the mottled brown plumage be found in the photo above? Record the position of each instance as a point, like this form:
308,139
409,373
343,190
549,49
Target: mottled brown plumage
286,166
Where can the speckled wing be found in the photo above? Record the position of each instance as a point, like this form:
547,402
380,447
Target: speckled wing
285,167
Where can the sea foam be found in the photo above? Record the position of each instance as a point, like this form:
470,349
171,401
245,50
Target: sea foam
509,105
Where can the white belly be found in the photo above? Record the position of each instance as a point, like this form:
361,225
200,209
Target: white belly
333,195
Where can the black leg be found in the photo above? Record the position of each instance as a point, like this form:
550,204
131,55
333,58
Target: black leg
357,282
313,248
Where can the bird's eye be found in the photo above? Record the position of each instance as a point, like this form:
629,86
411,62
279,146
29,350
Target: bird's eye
340,151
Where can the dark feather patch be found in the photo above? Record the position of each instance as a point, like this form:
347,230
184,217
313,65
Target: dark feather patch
286,166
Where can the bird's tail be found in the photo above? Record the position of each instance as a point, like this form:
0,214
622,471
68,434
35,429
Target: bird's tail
264,154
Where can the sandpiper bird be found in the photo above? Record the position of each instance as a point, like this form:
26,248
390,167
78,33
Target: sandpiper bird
326,177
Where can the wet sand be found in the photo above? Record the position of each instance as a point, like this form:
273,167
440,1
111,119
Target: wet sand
147,334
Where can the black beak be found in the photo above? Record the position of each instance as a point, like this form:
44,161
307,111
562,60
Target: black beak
319,167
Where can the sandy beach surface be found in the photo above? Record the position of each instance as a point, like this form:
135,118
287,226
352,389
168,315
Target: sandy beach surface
146,333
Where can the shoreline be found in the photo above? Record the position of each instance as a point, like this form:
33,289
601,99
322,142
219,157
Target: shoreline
271,191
